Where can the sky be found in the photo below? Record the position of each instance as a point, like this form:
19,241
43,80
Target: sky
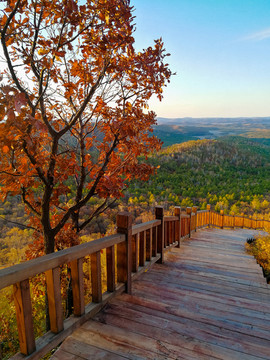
220,51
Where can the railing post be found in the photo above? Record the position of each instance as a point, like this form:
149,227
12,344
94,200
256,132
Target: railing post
23,306
177,212
159,212
194,210
189,212
124,250
222,218
208,207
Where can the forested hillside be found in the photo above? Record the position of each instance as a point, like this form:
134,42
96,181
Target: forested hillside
231,173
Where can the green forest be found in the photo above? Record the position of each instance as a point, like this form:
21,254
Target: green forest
230,173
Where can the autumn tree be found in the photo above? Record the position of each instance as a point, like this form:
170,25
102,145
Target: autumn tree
74,108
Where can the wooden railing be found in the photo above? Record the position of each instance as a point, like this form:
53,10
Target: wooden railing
237,221
128,253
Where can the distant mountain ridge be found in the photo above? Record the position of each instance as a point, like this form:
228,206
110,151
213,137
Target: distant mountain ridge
173,131
162,120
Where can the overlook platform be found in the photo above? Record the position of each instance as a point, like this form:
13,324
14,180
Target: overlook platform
209,300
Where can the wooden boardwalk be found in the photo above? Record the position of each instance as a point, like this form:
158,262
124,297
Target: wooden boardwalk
209,300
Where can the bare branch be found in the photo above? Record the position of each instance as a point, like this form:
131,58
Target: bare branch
6,53
97,212
19,224
27,203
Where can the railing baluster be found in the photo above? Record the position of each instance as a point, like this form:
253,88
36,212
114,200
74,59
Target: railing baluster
159,212
110,257
171,224
154,241
135,252
54,299
167,234
189,213
76,268
149,236
194,210
142,248
177,212
22,299
96,277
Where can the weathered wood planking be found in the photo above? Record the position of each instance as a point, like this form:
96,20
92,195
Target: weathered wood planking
208,300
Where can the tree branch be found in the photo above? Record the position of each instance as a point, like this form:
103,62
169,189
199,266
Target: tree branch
6,53
91,192
27,203
19,224
96,212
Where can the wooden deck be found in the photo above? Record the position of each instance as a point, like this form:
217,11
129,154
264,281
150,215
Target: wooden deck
209,300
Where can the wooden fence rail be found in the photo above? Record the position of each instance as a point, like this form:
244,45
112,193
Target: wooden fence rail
129,252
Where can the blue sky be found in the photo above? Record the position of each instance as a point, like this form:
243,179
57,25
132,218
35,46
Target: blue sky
220,51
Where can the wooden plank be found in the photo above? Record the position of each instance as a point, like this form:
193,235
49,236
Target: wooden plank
76,267
82,350
61,354
54,299
200,285
96,277
110,262
149,317
117,340
241,324
157,328
22,300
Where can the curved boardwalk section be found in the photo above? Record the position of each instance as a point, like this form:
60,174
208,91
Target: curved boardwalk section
209,300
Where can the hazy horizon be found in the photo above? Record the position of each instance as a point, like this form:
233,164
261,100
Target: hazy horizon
220,51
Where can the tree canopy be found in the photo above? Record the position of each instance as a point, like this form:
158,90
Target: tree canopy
74,108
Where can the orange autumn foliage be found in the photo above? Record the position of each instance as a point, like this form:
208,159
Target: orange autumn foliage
73,108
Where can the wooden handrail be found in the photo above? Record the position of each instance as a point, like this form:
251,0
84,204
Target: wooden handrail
28,269
144,226
170,218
